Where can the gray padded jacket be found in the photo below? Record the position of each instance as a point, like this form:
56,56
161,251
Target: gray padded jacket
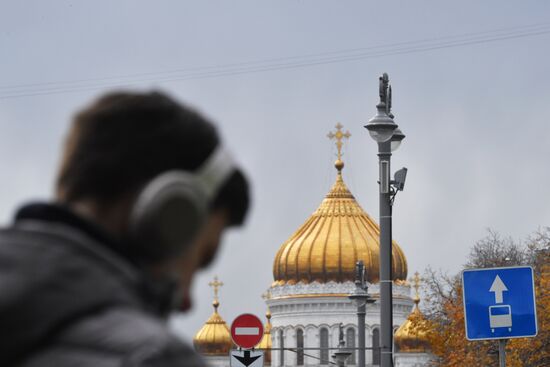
66,300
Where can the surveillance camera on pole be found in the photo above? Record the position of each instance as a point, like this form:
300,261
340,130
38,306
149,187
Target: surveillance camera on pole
399,179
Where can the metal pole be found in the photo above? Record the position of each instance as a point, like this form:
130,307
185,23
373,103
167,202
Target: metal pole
360,297
502,352
361,312
386,302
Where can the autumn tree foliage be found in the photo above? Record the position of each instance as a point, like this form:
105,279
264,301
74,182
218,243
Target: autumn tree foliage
444,309
536,351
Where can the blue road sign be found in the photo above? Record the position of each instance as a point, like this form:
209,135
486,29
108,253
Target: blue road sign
499,303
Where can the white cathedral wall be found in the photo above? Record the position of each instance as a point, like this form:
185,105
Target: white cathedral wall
290,333
414,360
311,340
313,306
217,361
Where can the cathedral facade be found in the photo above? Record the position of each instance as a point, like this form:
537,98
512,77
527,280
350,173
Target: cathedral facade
314,273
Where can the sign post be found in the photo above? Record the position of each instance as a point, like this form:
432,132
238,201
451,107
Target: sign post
499,303
502,352
247,331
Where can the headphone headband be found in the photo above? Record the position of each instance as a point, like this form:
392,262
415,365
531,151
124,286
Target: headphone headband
215,171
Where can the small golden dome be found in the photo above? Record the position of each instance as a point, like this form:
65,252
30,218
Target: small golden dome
265,343
328,245
214,338
411,337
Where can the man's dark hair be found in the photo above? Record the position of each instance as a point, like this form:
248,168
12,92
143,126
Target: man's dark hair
124,139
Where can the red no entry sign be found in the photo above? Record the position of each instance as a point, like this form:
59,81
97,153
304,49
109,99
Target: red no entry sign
247,330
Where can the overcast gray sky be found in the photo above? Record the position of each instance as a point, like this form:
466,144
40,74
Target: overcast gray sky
475,116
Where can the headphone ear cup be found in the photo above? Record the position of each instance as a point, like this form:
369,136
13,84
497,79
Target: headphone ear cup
167,217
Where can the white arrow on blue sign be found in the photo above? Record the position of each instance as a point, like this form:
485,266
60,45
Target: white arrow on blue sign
499,303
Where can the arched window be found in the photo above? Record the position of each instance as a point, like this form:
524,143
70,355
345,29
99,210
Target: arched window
376,347
282,350
299,347
323,344
350,343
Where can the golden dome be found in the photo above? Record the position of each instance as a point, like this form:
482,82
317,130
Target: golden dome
338,234
265,343
411,337
214,338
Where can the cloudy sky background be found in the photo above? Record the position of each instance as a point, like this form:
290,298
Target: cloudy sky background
476,116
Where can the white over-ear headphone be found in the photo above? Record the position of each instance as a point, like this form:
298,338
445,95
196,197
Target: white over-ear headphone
172,208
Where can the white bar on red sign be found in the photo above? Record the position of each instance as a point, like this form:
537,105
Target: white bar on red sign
247,331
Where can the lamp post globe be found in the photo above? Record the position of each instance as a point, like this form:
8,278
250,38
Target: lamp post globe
340,356
360,296
396,139
381,127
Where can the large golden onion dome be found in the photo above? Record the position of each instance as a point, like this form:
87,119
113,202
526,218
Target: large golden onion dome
411,337
265,343
338,234
214,338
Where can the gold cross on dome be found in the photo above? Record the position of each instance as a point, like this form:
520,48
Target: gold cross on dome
416,284
216,286
338,135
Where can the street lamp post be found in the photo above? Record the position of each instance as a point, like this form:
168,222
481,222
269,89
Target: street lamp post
360,297
384,131
342,353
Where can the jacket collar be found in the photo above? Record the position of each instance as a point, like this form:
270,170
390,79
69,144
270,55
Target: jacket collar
58,213
160,294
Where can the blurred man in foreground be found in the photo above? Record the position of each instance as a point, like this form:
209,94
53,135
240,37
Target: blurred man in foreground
144,191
